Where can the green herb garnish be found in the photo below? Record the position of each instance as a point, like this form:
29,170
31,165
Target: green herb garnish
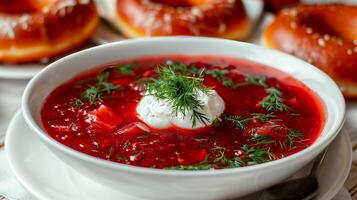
111,150
222,75
257,156
135,156
288,144
219,74
293,138
263,117
94,93
143,136
200,166
256,80
127,69
181,91
217,122
77,103
240,121
263,140
182,67
122,158
251,156
274,101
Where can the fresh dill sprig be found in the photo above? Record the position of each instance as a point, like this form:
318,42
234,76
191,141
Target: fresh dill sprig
135,156
183,68
219,74
122,158
222,160
274,101
293,138
200,166
258,156
263,117
77,103
144,135
94,93
216,73
181,91
222,76
251,156
240,121
256,80
263,139
217,122
126,69
111,151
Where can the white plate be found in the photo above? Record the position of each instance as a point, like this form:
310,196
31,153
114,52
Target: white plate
48,178
24,71
106,34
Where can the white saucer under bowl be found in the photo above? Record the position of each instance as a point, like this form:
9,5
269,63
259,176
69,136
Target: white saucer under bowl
48,178
106,34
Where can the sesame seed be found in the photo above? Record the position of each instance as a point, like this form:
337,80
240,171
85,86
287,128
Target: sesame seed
69,9
309,30
62,12
167,22
45,10
167,17
355,42
293,25
293,12
355,49
285,11
321,42
327,37
196,11
349,52
84,1
340,42
24,26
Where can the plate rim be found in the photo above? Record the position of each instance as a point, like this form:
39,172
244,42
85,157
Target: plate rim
21,72
338,184
342,179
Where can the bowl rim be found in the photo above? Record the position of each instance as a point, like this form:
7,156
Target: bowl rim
318,145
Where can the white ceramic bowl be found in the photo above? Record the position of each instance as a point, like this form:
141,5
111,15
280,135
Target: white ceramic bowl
164,184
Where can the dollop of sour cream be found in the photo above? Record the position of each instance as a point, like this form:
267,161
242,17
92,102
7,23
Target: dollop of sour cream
159,114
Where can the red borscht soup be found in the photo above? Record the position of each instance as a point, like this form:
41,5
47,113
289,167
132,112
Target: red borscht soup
184,113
